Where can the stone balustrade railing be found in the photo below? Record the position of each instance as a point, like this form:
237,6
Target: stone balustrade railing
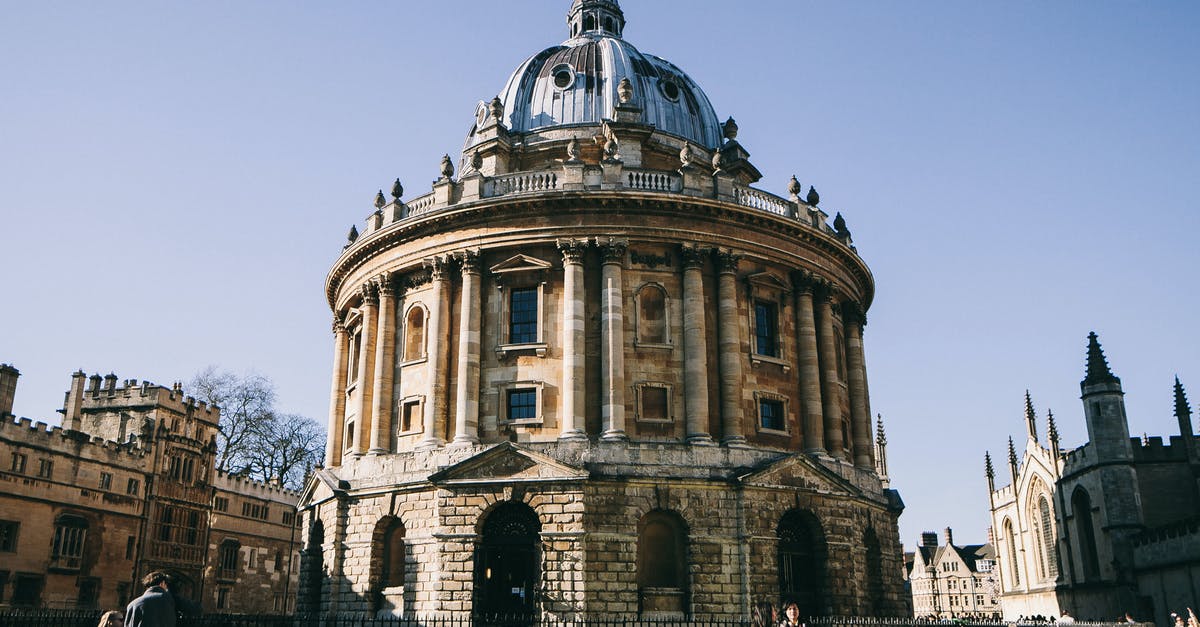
448,193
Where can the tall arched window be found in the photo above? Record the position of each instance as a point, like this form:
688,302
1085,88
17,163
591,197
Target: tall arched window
1014,566
414,333
652,315
662,562
1046,529
802,561
1085,532
389,544
508,562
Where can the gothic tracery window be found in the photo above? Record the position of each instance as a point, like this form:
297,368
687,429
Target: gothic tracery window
1010,538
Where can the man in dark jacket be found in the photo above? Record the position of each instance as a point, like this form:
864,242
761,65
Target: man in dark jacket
158,606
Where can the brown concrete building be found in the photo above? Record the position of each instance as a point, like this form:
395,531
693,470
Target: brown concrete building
125,486
1110,527
595,372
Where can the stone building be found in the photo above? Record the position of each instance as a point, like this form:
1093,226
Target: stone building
952,581
1110,527
595,372
125,486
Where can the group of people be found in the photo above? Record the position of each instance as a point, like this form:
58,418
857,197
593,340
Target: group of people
765,615
158,606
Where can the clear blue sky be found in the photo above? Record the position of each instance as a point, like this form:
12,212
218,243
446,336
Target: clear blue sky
176,178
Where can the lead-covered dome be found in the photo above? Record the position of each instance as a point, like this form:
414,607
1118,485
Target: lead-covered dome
576,83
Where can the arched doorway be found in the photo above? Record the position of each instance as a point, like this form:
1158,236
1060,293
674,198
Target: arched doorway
802,562
508,562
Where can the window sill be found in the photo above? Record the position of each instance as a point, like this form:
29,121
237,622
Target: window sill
654,346
655,421
529,422
757,360
538,348
766,431
410,432
412,362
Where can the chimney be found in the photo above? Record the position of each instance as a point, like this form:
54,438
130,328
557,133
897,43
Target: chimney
110,383
929,539
73,405
8,388
949,537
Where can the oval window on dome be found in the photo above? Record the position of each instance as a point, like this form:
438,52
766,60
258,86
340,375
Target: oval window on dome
670,89
564,77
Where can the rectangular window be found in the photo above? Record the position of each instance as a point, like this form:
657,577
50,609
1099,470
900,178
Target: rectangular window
221,504
67,551
522,404
654,403
522,311
27,590
766,320
222,598
130,547
410,416
18,463
89,592
289,518
131,488
45,468
105,481
8,536
771,415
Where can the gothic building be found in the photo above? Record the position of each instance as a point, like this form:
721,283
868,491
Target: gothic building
595,372
126,486
1110,527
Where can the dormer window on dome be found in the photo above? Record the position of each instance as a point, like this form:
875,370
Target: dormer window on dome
596,17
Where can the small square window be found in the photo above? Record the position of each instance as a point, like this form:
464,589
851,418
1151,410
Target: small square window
106,481
771,416
18,463
45,468
221,504
522,404
131,488
410,416
654,402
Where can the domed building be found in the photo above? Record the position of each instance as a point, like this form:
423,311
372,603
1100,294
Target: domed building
594,372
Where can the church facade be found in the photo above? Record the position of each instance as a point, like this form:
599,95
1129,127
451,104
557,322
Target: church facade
594,372
1108,528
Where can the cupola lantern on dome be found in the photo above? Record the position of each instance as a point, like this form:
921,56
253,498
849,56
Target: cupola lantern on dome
588,17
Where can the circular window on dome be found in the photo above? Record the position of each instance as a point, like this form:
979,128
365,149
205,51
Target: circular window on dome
564,76
670,89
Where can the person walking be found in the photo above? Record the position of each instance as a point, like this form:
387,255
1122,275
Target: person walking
158,606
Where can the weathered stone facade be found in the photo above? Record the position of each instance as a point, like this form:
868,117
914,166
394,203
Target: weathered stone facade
1106,528
126,486
600,374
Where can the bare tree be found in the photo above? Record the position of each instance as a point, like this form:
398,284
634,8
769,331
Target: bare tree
253,439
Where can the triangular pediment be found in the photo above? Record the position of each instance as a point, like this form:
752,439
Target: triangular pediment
322,485
769,281
507,463
521,263
798,471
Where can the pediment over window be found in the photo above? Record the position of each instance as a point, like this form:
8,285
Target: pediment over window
769,281
798,471
521,263
506,463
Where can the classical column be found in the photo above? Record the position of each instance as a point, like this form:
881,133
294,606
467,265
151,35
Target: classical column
829,375
695,348
381,404
337,396
466,410
571,415
854,319
435,397
366,365
729,341
810,369
612,340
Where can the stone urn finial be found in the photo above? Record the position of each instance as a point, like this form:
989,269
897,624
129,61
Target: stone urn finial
730,129
447,167
352,235
496,108
813,196
794,187
380,201
625,90
397,190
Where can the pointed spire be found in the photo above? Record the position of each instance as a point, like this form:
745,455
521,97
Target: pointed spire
1052,434
1097,365
881,465
1183,411
1012,459
1030,417
987,465
880,436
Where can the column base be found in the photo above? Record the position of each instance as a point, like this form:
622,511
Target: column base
429,445
819,452
463,442
736,441
700,439
574,435
378,451
614,435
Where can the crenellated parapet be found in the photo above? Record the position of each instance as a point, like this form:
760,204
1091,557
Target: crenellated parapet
246,486
1153,449
24,432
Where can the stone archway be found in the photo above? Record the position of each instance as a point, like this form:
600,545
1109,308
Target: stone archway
802,562
508,563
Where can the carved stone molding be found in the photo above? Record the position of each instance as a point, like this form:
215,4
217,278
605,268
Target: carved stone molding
370,293
692,256
386,284
414,280
612,249
572,250
804,282
727,260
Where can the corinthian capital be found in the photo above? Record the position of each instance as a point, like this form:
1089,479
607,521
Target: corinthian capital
727,260
572,250
370,292
386,284
613,249
339,327
852,312
471,260
439,267
692,256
